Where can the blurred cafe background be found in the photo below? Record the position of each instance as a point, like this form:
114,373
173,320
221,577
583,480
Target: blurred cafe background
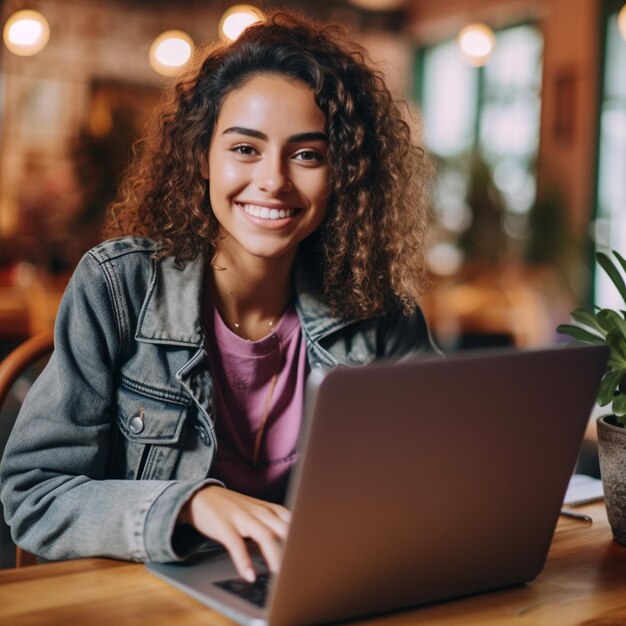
523,105
523,109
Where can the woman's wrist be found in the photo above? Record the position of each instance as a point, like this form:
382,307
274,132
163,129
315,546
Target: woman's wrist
184,516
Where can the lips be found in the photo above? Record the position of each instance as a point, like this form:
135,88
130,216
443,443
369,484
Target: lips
268,213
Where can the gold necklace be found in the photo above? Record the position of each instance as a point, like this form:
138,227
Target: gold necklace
238,327
230,319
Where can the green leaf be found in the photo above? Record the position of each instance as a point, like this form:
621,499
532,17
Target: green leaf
611,320
617,356
616,341
619,407
617,319
613,272
586,317
621,259
606,393
580,334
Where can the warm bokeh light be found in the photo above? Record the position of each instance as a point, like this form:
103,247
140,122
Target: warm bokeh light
170,52
236,19
379,5
476,42
621,21
26,33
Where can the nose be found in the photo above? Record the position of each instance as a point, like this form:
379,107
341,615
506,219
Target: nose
272,176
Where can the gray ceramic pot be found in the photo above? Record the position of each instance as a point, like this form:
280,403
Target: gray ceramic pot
612,453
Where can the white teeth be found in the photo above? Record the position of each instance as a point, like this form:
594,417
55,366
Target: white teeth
266,213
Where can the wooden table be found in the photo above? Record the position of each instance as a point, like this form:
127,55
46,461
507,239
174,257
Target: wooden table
583,583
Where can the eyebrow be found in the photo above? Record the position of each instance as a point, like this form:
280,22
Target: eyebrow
257,134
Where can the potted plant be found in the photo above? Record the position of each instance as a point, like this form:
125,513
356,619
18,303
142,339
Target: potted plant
607,326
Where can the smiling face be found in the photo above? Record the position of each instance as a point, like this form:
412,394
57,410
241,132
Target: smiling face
267,168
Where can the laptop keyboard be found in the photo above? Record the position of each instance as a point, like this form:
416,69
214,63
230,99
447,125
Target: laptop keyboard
255,592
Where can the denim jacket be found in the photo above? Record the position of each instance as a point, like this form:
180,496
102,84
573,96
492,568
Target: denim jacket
118,430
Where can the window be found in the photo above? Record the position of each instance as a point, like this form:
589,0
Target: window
610,226
492,112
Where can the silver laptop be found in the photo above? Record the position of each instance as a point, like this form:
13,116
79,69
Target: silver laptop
418,482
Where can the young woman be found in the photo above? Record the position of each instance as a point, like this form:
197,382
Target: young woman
273,223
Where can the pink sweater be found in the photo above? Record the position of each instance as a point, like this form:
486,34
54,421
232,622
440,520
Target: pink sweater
242,373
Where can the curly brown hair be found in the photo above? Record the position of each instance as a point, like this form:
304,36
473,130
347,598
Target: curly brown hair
369,250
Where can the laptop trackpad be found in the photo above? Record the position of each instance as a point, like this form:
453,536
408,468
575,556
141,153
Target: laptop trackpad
211,577
255,592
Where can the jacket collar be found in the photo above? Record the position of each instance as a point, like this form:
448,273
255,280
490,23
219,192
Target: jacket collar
315,316
171,312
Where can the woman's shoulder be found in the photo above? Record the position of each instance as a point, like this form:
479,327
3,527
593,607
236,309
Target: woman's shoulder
406,334
124,267
120,247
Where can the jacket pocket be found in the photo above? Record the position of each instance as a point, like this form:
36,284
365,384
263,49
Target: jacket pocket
149,426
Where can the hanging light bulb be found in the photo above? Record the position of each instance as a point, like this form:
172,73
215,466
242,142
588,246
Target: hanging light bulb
170,52
26,33
621,22
379,5
476,42
236,19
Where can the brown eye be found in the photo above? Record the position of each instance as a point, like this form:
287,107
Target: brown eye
244,149
308,155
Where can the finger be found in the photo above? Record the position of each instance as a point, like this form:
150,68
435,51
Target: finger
269,545
239,555
277,509
277,525
281,512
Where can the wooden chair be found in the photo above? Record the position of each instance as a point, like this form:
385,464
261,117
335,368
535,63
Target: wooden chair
11,368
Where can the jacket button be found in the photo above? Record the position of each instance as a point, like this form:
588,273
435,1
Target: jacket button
204,435
136,423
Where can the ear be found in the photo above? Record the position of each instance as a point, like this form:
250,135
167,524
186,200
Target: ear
204,167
